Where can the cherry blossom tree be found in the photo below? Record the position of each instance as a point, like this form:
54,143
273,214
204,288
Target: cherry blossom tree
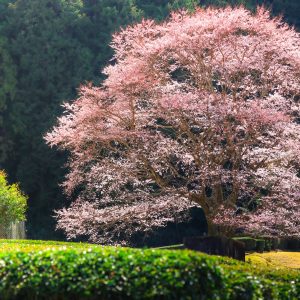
203,108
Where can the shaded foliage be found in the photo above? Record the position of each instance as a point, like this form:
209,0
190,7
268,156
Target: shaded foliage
7,92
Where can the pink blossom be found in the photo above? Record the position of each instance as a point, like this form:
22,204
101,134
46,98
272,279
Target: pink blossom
199,109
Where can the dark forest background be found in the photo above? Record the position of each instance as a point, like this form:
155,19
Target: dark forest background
48,48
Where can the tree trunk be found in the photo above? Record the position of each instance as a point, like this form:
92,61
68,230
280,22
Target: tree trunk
212,229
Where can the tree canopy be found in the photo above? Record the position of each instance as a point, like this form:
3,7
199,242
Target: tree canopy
201,108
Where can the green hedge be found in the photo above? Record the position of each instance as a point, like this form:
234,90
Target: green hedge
250,243
269,243
122,273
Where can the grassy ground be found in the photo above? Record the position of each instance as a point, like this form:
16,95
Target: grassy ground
276,259
33,245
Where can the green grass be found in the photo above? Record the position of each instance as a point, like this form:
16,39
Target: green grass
59,270
36,245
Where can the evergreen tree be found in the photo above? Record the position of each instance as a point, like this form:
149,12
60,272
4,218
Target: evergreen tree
51,63
102,19
290,9
53,44
7,91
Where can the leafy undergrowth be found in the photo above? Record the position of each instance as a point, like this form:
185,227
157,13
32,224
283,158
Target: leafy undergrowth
276,259
55,270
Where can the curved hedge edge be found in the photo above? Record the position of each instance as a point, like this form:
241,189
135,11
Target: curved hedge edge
122,273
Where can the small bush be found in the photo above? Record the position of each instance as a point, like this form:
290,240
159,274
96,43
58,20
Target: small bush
122,273
260,245
13,202
250,243
275,243
293,243
268,244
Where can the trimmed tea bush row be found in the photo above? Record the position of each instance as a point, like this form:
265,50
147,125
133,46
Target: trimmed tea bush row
269,243
122,273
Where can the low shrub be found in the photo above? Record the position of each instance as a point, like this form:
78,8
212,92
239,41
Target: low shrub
266,243
293,243
275,243
123,273
13,204
250,243
260,245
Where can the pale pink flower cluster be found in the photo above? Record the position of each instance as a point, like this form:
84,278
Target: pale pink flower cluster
203,108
